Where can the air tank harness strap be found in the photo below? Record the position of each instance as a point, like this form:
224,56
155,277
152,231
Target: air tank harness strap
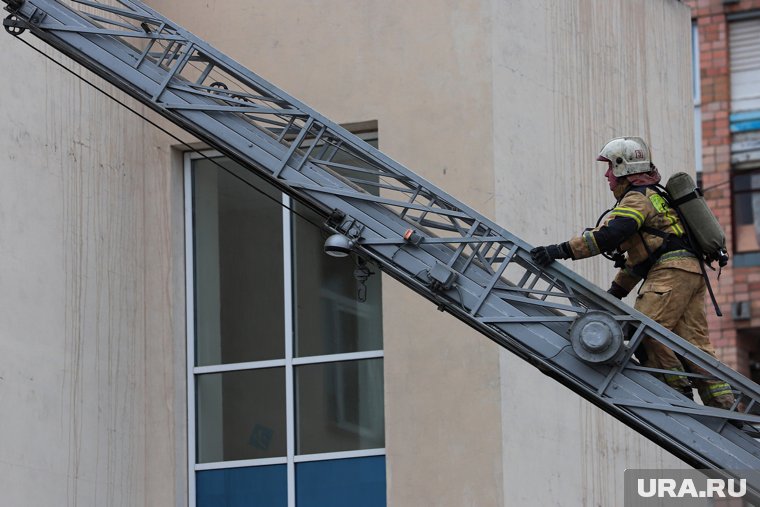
694,194
670,243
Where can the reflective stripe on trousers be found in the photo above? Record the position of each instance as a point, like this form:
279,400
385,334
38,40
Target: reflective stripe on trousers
675,298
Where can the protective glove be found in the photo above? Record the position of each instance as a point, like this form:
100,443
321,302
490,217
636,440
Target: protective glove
544,255
617,290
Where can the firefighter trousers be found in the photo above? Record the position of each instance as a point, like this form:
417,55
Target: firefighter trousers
676,299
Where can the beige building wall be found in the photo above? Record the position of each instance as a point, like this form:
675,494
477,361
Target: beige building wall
92,367
92,372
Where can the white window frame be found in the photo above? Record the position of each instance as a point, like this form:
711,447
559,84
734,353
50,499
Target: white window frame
289,362
696,79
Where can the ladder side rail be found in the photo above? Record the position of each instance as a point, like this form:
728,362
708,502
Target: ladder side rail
242,73
191,121
193,118
157,79
348,138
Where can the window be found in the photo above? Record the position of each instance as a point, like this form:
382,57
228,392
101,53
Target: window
746,192
285,360
697,93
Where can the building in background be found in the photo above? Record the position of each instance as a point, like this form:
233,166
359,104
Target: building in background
727,105
172,334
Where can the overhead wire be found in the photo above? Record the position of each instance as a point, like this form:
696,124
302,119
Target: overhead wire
713,187
214,74
170,134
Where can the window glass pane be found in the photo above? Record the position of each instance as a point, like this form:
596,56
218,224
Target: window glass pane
695,84
329,317
340,406
264,486
238,267
747,181
341,483
742,182
747,228
240,415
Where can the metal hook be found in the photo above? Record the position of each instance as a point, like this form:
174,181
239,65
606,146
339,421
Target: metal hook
362,274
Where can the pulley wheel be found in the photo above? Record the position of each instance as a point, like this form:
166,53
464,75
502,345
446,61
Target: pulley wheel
597,337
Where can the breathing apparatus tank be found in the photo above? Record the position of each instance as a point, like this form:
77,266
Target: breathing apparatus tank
703,228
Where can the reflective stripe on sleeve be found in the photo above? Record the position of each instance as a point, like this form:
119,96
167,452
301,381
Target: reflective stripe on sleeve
590,241
630,213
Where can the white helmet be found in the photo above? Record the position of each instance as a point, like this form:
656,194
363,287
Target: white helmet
626,155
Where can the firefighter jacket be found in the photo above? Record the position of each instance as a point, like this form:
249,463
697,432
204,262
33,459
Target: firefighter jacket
636,227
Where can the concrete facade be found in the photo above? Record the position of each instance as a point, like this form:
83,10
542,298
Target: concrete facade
557,99
92,300
505,105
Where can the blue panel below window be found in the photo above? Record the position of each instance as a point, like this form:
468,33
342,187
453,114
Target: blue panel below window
341,483
745,121
263,486
746,260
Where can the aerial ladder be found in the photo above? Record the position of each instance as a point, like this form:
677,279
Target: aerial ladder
458,259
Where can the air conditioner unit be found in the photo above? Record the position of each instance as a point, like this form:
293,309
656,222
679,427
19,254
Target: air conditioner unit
740,310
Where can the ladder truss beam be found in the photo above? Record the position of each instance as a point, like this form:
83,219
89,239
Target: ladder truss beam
226,105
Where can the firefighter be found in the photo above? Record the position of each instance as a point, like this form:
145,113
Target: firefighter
648,231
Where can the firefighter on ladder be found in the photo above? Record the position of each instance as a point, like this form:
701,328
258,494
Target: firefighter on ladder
644,227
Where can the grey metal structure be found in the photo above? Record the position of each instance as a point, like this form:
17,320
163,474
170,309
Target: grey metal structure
467,265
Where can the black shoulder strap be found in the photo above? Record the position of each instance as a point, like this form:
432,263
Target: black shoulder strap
654,232
709,286
694,194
